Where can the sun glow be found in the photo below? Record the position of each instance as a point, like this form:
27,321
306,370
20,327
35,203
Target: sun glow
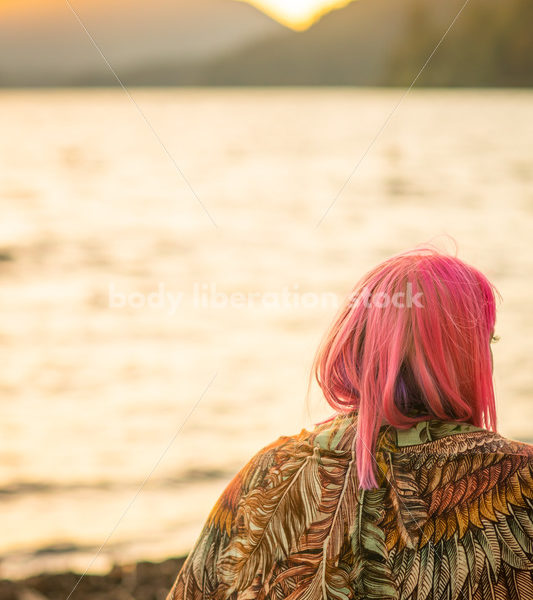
298,14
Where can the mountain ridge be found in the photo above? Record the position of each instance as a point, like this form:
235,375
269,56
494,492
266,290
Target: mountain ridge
50,47
380,43
367,42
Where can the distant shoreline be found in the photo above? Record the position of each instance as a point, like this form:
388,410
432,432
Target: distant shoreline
251,86
143,580
371,43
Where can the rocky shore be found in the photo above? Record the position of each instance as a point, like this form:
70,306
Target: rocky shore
140,581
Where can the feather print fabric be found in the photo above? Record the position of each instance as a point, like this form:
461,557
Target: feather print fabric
451,520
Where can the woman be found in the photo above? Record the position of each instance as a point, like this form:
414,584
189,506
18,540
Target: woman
407,492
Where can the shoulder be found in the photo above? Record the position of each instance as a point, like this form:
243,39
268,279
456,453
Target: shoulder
270,455
515,446
448,438
470,461
253,474
243,499
466,498
464,479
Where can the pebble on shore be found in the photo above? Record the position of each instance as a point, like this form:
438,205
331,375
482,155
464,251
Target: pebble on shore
140,581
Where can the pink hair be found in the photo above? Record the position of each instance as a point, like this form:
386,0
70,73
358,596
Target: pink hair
402,359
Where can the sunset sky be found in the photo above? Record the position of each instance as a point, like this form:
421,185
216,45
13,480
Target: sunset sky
298,14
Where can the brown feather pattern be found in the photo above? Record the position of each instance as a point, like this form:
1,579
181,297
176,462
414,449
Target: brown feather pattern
451,520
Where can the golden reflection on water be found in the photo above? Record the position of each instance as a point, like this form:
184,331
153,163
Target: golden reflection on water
90,204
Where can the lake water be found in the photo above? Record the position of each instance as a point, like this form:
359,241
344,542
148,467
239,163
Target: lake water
97,396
